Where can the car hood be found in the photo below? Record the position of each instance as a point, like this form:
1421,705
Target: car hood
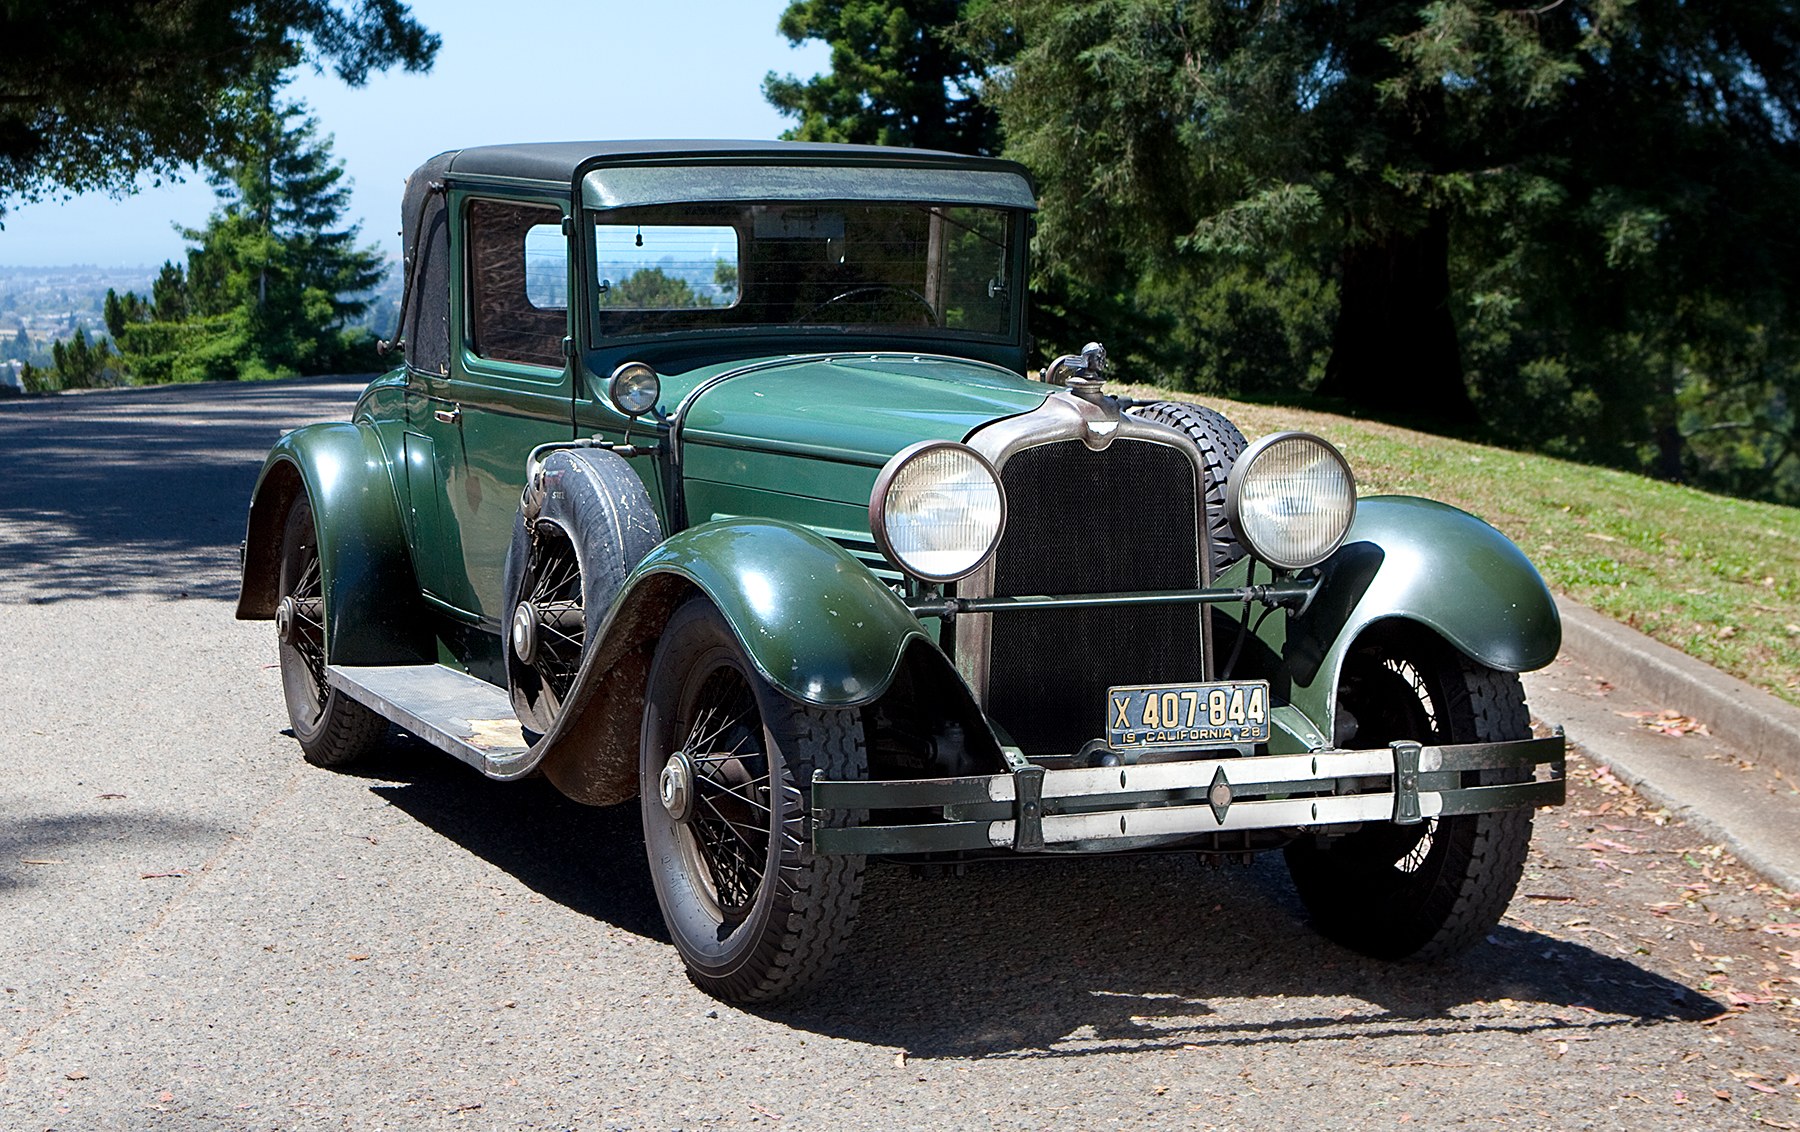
853,408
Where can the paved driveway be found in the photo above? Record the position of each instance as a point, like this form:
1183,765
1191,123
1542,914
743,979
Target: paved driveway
197,930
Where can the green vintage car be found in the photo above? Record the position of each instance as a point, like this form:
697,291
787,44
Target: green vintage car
714,478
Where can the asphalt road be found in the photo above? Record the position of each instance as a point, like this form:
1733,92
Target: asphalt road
197,930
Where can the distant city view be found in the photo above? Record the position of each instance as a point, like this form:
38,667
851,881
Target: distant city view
39,305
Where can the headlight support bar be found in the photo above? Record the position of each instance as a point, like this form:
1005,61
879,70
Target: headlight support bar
1294,593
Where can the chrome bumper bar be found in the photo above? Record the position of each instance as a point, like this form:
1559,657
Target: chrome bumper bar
1031,807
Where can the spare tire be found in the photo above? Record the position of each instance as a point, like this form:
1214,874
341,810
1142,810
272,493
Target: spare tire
1220,444
583,525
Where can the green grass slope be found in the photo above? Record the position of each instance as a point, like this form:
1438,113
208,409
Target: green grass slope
1715,577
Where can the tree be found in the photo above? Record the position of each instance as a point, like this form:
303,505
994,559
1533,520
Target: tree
1570,218
273,277
96,97
651,288
897,77
76,364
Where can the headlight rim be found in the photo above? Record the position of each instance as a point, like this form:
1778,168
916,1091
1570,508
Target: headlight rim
1234,484
623,372
878,497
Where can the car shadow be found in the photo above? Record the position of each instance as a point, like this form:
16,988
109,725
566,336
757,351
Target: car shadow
587,858
1068,958
1057,958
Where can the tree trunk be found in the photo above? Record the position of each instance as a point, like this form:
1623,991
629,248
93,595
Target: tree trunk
1394,349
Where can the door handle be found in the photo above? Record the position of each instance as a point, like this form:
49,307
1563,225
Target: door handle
448,416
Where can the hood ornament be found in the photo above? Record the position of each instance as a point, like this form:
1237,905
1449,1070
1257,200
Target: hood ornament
1083,374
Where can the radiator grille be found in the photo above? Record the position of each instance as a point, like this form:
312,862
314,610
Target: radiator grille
1080,521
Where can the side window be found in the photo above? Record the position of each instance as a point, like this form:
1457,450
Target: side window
518,282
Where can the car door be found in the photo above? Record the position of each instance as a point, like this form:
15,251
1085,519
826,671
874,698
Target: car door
510,388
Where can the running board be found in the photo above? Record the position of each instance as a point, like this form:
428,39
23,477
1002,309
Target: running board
451,710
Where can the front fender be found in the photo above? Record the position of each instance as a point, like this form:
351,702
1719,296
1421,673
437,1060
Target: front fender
812,619
371,596
1414,560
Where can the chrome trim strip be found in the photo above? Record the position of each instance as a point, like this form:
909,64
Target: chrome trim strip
1258,770
1175,820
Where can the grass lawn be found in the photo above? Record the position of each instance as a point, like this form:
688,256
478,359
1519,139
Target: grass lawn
1715,577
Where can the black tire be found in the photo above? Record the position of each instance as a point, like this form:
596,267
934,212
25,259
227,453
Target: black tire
578,535
333,729
1220,444
1434,889
754,913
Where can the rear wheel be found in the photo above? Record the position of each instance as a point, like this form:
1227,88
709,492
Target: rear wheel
726,763
333,729
1433,889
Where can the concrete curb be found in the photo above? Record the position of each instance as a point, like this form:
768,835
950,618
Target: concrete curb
1763,729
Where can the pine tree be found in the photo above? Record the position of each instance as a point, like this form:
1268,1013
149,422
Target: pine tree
274,275
168,294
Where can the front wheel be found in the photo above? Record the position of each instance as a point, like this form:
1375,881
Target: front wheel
725,767
1434,889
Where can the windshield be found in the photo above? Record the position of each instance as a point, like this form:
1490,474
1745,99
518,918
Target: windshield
897,267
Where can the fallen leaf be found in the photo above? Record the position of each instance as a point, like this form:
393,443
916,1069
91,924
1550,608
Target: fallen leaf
165,1096
75,1075
764,1111
159,876
900,1060
358,957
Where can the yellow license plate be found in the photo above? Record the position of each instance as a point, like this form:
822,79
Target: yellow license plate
1187,715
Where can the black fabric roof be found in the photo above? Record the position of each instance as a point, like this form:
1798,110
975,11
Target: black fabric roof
558,161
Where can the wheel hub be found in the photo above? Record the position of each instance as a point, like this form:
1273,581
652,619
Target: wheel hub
525,632
675,786
284,620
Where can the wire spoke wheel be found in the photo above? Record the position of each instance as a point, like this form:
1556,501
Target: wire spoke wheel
728,834
1436,887
333,729
724,762
549,624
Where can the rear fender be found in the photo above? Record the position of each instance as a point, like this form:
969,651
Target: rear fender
371,594
1410,560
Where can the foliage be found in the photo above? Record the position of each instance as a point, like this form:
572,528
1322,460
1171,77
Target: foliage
96,97
651,288
75,364
897,77
1568,223
270,280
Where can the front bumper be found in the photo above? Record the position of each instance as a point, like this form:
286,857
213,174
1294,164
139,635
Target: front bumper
1032,808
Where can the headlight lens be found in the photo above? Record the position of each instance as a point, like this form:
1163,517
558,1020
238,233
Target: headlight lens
634,389
1290,498
937,510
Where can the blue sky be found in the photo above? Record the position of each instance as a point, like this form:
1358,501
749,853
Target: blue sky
519,70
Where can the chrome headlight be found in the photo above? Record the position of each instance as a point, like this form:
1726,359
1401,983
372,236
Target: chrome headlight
634,388
937,510
1290,498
